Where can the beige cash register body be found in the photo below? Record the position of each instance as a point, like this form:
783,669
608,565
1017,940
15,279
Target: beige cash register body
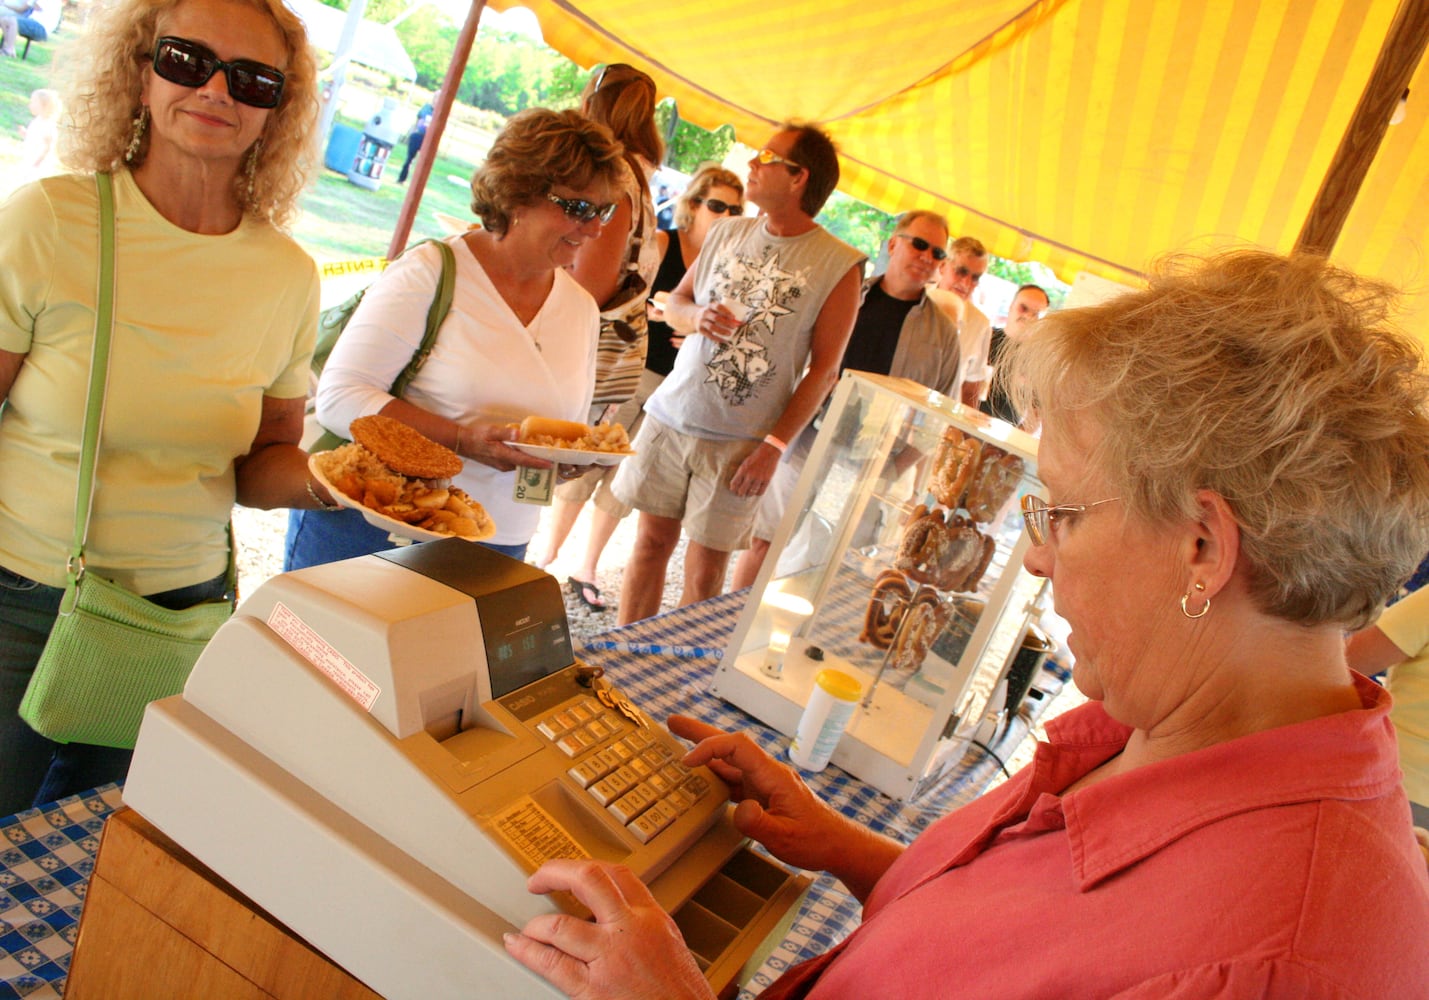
378,752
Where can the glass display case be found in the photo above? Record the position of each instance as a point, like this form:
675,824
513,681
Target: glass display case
898,562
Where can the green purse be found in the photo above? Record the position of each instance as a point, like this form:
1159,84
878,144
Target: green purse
333,320
111,652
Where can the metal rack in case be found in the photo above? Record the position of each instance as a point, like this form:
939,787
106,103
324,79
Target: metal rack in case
870,573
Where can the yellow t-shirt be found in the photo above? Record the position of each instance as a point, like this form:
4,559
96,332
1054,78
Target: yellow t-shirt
1406,624
205,327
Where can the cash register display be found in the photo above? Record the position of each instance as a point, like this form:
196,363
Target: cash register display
522,644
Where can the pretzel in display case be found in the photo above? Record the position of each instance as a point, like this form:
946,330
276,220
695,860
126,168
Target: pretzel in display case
899,561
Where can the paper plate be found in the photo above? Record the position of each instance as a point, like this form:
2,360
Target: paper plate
573,456
379,520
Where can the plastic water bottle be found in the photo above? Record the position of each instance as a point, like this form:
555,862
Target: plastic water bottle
830,706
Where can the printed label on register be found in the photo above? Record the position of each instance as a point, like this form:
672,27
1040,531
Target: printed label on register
535,835
316,650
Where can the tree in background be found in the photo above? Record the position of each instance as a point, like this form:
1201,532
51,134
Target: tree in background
690,145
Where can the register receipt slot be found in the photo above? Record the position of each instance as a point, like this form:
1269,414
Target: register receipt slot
379,751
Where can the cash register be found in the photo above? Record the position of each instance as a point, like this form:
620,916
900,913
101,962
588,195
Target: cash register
378,752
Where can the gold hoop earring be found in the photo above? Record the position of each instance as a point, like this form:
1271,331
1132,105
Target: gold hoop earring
1200,587
139,127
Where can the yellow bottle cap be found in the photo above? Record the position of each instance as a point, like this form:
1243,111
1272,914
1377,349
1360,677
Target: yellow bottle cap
839,684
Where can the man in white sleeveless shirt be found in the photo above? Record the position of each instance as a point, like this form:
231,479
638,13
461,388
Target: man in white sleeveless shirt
769,304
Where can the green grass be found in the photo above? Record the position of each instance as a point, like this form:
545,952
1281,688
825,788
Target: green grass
339,220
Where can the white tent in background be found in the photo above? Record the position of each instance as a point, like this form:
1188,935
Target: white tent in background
374,45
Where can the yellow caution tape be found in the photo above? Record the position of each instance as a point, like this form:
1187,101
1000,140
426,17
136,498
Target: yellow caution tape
339,268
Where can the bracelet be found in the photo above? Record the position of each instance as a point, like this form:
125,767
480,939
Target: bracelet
321,503
457,447
775,443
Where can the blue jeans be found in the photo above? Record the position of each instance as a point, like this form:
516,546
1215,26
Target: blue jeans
323,536
33,769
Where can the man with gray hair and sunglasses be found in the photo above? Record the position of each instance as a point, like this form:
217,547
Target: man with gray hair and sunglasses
957,279
900,332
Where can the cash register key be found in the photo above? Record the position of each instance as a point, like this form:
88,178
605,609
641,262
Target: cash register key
651,822
589,771
549,729
675,773
584,710
576,743
631,804
601,727
610,759
610,788
641,767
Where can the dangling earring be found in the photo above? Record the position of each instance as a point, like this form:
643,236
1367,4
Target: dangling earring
1206,607
136,134
250,169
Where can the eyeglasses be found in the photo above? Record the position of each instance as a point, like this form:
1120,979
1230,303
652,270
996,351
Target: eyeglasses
582,210
1040,518
190,64
767,156
719,207
923,246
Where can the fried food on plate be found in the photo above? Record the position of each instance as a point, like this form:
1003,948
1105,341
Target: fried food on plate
404,449
430,504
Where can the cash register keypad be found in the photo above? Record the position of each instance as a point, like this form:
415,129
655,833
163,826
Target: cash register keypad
625,767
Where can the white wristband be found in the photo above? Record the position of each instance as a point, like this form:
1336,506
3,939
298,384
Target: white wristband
775,443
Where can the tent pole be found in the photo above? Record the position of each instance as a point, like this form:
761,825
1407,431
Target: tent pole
1398,58
422,169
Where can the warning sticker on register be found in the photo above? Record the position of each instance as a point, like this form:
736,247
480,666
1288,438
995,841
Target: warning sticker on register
317,651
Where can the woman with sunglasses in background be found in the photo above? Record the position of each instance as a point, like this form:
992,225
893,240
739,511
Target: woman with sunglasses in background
519,340
1236,463
201,111
714,193
616,268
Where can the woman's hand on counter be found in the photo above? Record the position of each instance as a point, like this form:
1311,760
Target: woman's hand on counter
630,950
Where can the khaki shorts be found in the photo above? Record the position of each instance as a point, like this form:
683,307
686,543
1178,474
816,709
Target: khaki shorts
686,478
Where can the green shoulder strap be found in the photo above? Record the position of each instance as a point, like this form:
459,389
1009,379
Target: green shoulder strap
436,315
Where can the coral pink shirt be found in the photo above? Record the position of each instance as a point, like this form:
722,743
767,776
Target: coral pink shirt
1280,864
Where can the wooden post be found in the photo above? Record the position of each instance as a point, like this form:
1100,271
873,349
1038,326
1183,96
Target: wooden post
422,169
1398,58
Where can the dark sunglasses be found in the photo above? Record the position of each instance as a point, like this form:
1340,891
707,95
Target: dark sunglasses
719,207
190,64
923,246
582,210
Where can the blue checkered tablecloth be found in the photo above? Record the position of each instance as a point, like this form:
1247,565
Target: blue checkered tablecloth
664,663
46,858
